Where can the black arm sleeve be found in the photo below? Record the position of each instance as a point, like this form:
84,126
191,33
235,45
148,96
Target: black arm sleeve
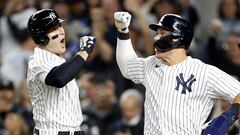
123,36
60,75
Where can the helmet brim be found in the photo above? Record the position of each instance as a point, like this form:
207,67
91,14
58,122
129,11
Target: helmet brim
155,27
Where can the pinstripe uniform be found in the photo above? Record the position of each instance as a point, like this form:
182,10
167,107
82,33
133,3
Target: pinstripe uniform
54,109
179,98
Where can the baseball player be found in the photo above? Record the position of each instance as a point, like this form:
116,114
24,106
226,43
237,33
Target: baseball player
180,90
52,88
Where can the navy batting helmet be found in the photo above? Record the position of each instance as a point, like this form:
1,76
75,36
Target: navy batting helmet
180,33
40,23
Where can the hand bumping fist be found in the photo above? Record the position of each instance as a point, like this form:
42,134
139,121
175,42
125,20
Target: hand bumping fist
122,21
87,43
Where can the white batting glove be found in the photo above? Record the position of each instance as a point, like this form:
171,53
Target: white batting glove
122,21
87,43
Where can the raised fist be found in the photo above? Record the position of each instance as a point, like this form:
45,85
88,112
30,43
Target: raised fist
87,43
122,21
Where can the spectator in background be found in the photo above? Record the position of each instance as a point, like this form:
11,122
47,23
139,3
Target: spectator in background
25,102
93,3
15,124
6,96
103,51
229,18
41,4
229,14
8,103
131,122
15,44
102,26
103,106
139,29
14,64
13,25
89,126
189,12
2,4
223,44
78,9
162,7
78,22
226,54
232,49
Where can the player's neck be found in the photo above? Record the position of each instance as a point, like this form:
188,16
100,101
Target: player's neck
174,58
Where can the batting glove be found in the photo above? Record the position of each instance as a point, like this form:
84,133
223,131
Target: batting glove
87,43
122,21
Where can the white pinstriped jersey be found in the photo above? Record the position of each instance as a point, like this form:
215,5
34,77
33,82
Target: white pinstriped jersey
179,98
55,109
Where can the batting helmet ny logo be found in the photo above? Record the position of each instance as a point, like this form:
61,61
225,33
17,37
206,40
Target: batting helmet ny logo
186,85
52,16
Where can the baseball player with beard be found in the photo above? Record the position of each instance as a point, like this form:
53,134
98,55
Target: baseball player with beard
180,90
53,90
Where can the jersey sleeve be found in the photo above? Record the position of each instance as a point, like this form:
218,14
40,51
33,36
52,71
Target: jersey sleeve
136,70
221,85
124,54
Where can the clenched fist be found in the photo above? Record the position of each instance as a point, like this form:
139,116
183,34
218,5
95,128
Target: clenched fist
87,43
122,21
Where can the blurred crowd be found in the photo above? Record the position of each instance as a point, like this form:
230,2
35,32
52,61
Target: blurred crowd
111,104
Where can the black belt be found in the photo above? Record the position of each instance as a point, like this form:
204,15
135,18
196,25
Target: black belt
36,131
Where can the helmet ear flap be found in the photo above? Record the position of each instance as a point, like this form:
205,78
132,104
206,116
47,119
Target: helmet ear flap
41,40
46,40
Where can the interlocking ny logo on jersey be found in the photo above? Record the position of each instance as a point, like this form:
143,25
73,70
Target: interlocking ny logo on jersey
186,85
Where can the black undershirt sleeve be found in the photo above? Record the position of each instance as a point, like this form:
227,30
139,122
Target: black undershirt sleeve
123,36
60,75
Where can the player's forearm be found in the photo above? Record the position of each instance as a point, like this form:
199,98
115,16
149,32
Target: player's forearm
125,52
59,76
